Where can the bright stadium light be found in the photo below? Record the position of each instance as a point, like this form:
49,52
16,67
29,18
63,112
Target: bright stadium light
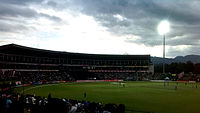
163,28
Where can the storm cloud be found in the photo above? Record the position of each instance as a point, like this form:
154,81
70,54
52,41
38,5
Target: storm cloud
143,16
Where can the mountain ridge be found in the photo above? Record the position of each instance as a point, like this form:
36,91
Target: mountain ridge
177,59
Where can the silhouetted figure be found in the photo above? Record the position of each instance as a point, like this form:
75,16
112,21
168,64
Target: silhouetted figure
49,96
121,108
84,94
124,85
176,87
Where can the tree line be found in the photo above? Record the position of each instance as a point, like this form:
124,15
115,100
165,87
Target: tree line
176,68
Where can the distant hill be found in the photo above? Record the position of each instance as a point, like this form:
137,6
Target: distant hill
184,59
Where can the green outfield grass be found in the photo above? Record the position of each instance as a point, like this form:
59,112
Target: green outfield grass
137,96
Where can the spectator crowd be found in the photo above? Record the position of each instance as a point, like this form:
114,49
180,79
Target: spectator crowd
16,103
31,77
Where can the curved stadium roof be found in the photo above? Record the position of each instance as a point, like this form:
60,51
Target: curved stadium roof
29,51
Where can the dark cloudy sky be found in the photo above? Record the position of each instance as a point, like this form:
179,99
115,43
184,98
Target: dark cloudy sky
102,26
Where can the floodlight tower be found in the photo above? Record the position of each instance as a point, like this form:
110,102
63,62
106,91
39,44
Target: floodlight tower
163,28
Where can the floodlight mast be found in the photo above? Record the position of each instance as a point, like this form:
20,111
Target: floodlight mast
164,54
163,28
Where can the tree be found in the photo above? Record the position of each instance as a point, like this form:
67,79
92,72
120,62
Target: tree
189,67
197,68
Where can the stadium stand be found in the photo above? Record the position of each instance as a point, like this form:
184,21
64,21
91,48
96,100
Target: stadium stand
20,62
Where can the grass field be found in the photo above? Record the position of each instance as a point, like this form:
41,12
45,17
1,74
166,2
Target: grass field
137,96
